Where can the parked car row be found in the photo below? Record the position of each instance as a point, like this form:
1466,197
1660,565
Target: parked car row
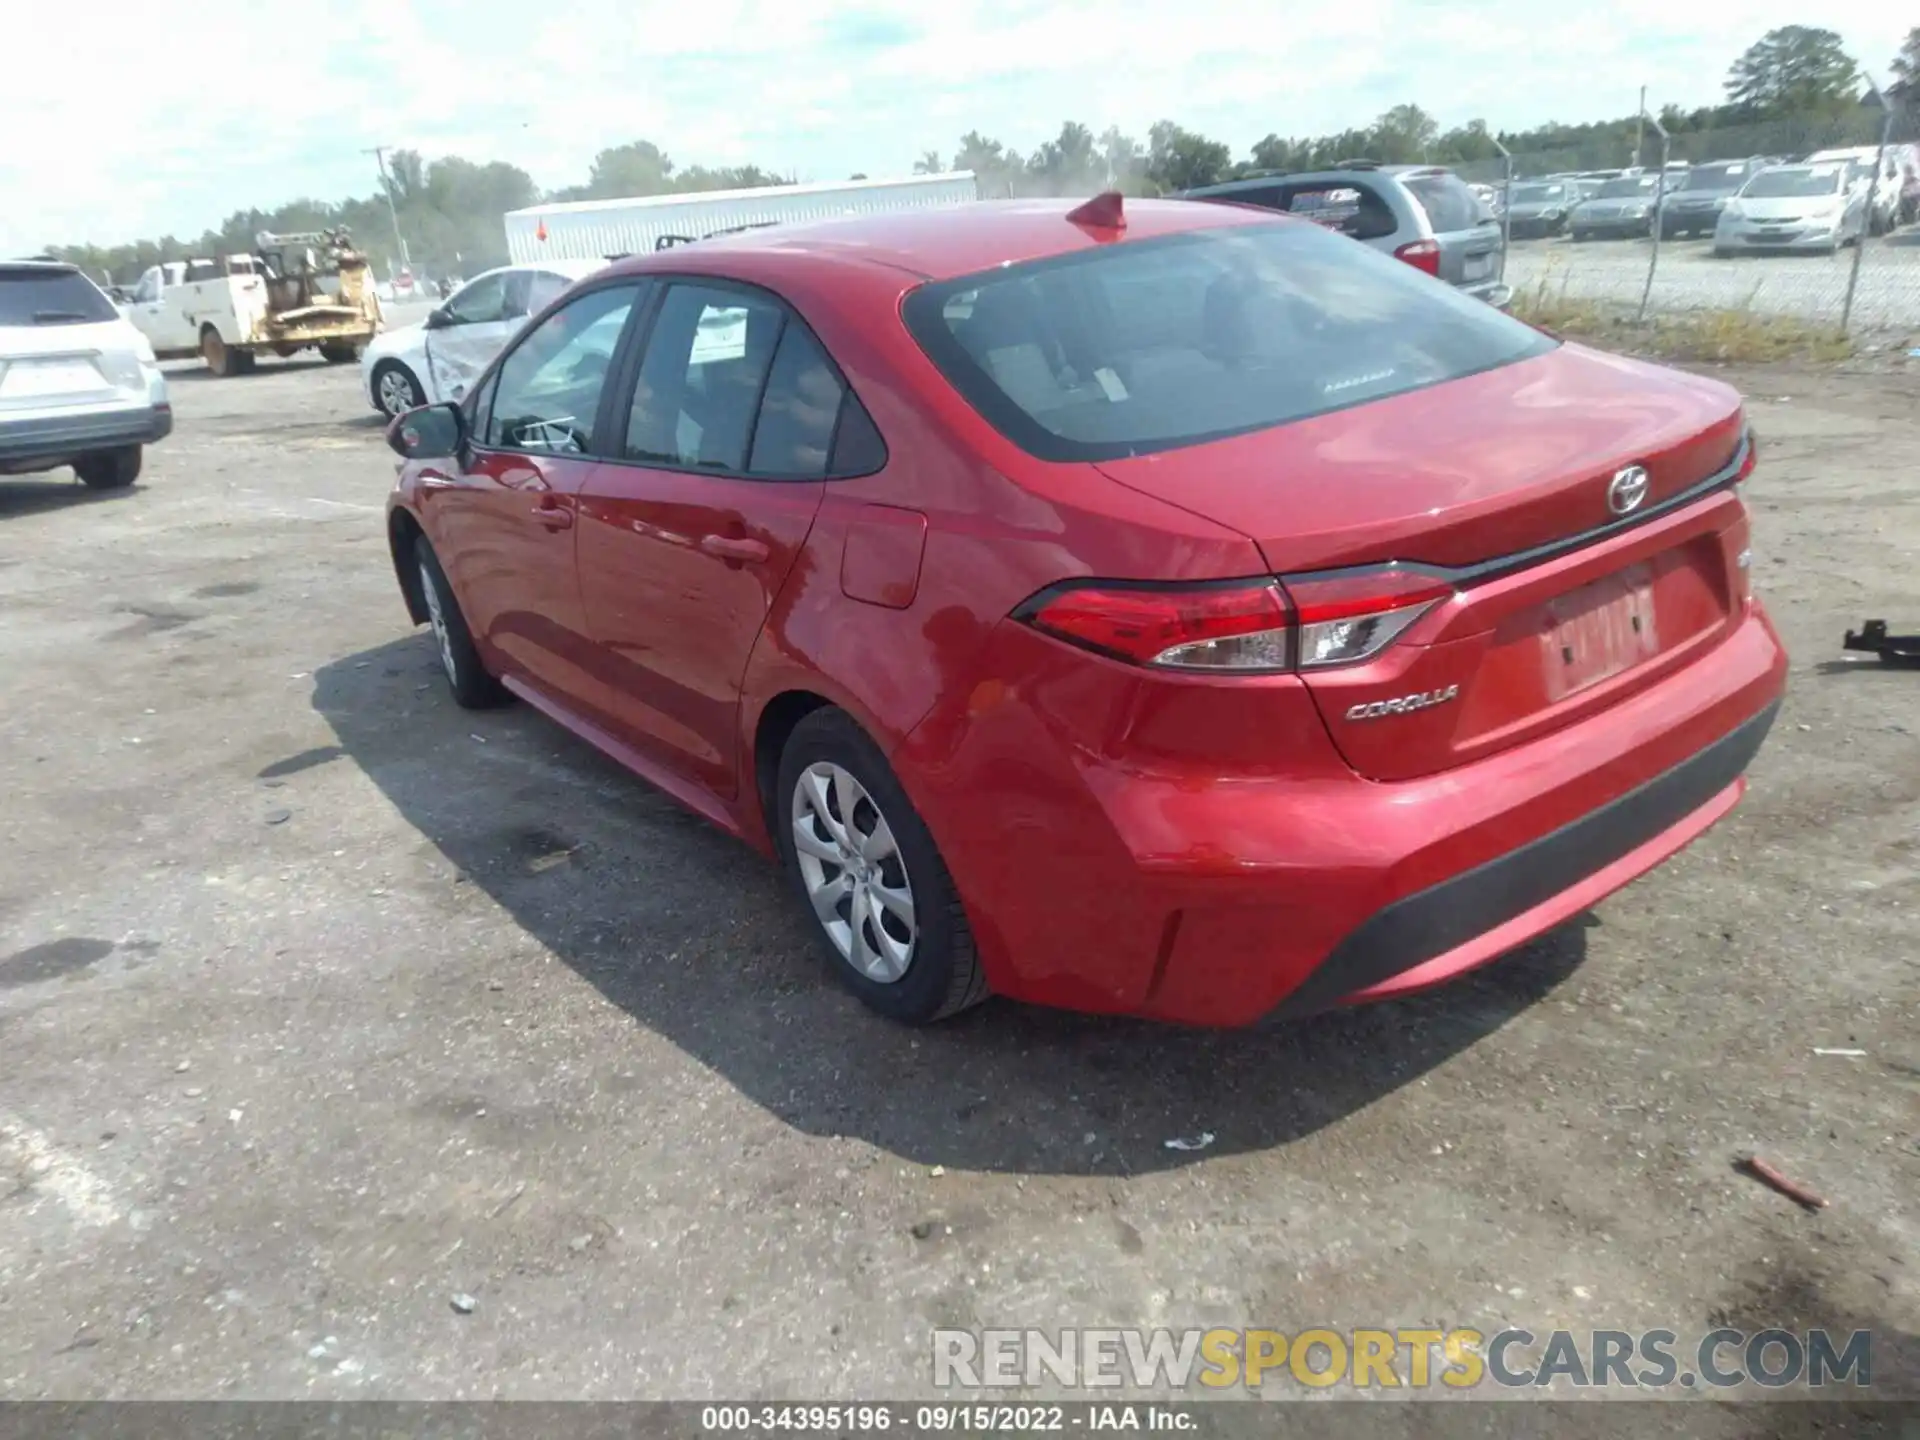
1831,199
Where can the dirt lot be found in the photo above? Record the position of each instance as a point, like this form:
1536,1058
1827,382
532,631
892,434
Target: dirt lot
322,1001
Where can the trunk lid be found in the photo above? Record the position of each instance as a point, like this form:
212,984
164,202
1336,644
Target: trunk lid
1501,475
1469,238
55,366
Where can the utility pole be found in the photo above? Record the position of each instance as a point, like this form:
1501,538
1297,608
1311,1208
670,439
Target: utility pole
1640,126
379,153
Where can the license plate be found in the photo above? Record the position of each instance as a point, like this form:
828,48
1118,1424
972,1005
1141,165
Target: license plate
1478,267
1598,631
33,378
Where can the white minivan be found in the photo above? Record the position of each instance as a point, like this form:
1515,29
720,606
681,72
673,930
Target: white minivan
79,385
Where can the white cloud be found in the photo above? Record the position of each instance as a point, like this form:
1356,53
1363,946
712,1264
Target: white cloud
120,124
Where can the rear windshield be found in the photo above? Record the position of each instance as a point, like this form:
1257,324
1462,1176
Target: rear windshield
1449,204
1539,194
1148,345
1717,177
1796,181
40,295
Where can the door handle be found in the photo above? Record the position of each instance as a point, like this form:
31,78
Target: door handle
554,517
726,547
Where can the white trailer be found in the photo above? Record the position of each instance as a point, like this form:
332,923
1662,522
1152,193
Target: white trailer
603,229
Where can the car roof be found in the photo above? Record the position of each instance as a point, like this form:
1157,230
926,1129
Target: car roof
572,269
941,243
1330,172
36,263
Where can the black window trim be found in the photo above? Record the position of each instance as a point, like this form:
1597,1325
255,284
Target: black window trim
490,377
921,311
625,374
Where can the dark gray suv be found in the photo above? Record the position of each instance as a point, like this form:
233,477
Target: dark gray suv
1423,214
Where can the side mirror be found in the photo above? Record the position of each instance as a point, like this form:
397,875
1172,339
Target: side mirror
433,432
438,318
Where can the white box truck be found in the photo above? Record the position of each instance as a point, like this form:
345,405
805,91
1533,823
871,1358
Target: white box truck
607,229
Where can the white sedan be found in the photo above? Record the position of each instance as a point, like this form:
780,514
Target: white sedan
438,359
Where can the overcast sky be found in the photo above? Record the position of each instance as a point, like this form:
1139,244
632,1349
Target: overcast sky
122,121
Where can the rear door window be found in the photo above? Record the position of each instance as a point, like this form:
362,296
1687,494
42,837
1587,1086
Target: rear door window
698,393
36,295
1449,204
1145,346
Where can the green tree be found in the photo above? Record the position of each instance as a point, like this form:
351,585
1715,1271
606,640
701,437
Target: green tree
1404,135
1179,159
1905,90
1066,164
929,163
994,166
637,168
1794,70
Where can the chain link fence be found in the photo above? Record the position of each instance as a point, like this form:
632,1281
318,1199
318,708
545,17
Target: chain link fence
1835,247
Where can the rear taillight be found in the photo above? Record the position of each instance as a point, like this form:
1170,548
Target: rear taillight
1242,627
1421,255
1352,615
1305,621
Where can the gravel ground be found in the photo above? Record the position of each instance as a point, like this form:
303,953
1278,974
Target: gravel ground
322,1002
1806,287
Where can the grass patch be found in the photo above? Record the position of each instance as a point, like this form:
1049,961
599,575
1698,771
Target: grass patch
1740,335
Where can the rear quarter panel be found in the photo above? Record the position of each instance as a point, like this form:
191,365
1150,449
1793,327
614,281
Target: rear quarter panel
999,526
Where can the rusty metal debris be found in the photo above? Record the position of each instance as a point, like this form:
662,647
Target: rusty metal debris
1763,1172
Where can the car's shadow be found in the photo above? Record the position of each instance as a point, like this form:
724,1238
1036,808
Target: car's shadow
31,495
699,939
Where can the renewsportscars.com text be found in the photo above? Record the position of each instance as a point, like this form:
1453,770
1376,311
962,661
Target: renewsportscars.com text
1391,1359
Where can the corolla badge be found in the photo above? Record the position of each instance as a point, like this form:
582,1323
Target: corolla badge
1404,704
1627,490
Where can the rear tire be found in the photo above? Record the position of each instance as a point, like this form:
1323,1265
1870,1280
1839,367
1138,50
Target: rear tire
222,359
870,871
109,470
344,354
473,688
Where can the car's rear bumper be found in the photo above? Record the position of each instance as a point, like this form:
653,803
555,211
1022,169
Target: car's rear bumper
1701,224
1136,849
42,441
1447,929
1801,237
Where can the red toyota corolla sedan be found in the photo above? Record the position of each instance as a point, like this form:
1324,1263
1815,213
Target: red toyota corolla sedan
1182,611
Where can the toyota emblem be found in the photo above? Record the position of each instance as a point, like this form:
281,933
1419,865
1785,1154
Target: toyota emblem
1627,490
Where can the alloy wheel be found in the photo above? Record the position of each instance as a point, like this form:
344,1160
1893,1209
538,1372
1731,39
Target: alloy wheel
396,393
437,618
854,873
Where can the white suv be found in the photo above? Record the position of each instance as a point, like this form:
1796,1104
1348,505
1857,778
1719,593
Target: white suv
78,384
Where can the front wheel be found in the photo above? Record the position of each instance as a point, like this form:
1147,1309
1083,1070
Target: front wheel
395,390
881,902
112,470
